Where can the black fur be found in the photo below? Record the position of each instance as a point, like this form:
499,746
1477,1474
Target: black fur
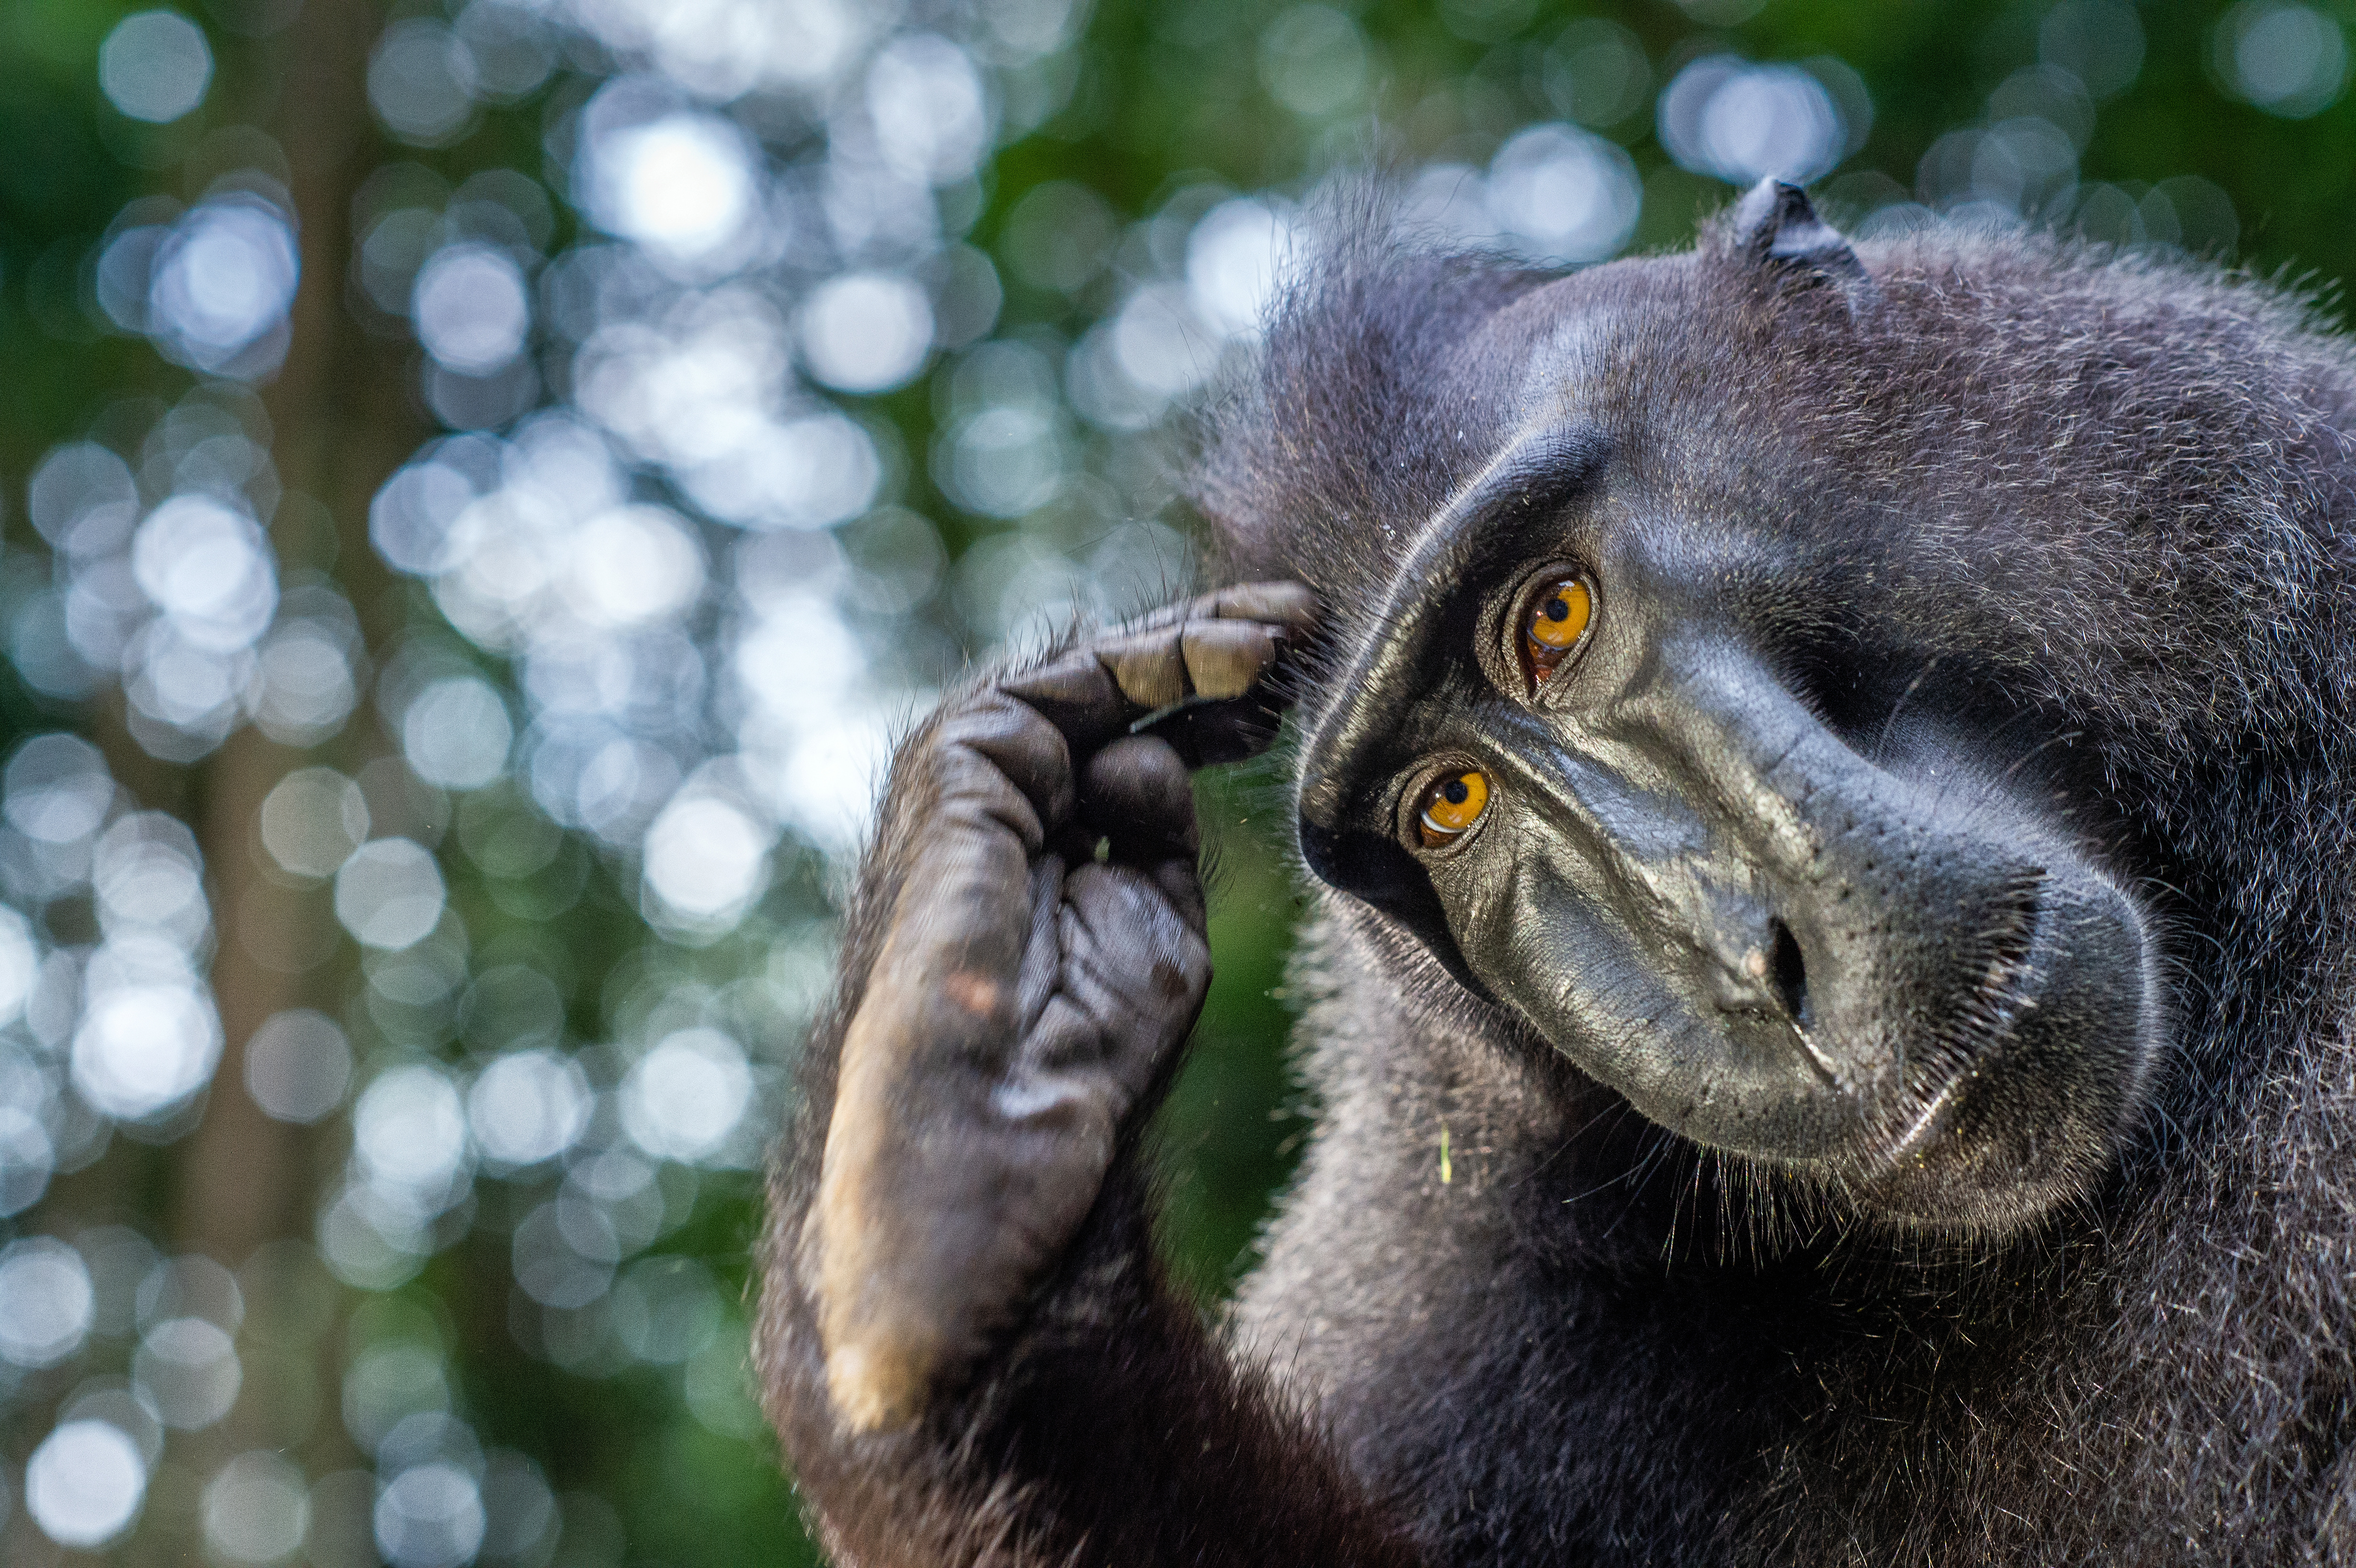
2146,470
2112,492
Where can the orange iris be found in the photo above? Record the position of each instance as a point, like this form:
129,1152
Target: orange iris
1450,805
1557,621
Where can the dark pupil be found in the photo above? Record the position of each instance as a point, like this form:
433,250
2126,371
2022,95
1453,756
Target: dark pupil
1454,792
1556,609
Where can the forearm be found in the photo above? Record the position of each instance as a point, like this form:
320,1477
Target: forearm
1111,1429
964,1338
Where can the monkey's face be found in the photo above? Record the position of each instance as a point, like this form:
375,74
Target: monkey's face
1673,785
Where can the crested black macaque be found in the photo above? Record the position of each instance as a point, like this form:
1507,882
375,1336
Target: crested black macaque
1825,772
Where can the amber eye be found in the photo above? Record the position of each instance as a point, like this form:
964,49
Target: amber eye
1450,805
1554,625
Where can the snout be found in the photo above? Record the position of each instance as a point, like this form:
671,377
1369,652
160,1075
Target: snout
1783,949
1891,971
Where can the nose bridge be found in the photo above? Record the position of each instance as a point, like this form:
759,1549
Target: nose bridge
1889,881
1771,776
1766,763
1596,793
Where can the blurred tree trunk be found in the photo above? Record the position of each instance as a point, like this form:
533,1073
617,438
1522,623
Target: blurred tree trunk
343,422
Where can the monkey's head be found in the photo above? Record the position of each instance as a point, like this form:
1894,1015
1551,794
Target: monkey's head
1758,674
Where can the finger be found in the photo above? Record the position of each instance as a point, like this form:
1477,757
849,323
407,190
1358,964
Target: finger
1136,966
935,1026
1288,604
945,1194
992,747
1150,667
1201,656
1226,658
1075,693
1137,792
1217,647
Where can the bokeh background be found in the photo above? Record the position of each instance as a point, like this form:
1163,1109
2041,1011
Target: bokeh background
485,480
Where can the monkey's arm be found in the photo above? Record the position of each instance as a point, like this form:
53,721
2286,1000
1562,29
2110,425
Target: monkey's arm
965,1340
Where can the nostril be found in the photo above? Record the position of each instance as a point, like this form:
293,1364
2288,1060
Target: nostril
1788,973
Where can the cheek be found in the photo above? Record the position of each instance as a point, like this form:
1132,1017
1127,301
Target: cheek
1487,887
2039,1126
1542,934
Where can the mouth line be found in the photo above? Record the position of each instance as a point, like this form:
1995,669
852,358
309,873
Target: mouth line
1826,1069
2011,983
1836,1117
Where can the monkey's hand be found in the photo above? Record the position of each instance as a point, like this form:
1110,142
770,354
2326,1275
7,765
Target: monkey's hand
1040,959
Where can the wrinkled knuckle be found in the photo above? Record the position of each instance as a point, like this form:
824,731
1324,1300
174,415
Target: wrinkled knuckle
1141,770
1018,744
1010,733
1063,690
969,787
